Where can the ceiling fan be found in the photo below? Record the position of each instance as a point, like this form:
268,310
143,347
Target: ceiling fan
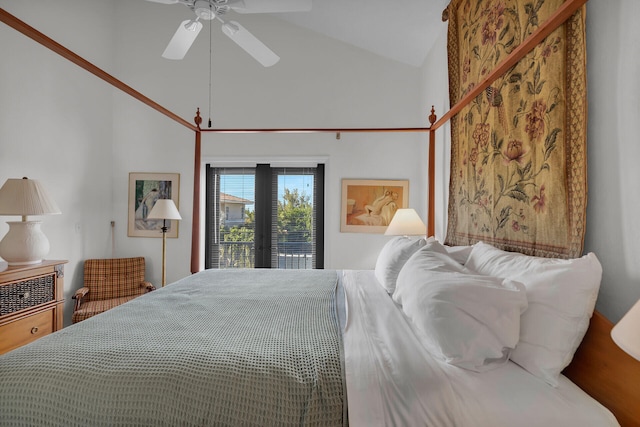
208,10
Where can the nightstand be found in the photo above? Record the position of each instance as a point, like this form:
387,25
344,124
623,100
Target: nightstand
31,302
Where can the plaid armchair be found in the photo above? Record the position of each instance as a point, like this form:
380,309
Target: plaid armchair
109,283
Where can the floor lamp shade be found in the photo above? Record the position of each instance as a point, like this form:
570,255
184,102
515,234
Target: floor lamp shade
406,222
25,243
164,209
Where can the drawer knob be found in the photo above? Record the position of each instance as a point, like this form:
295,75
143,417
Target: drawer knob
26,295
34,330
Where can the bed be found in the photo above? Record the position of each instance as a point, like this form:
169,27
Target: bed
315,347
393,369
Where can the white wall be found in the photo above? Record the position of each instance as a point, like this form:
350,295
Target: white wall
319,82
613,230
613,64
101,135
56,125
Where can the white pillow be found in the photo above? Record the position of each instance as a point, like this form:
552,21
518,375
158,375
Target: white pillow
468,320
561,294
459,253
392,257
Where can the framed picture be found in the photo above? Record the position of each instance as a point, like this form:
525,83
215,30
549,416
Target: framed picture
368,205
144,190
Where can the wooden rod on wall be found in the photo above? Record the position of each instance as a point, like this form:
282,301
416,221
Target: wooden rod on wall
563,13
51,44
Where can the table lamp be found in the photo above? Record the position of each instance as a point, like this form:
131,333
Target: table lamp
626,333
25,243
406,222
164,209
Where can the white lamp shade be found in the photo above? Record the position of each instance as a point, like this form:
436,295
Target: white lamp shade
406,222
164,209
26,197
626,333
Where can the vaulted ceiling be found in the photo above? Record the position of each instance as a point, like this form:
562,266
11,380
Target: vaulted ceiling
403,30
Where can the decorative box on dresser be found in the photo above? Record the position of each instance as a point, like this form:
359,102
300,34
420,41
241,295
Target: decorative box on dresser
31,302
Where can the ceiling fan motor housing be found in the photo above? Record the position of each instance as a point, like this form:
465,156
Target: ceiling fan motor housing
204,10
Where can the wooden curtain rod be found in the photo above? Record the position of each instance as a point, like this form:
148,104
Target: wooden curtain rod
563,13
51,44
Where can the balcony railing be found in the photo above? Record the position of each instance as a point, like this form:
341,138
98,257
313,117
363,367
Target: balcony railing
237,255
291,255
295,255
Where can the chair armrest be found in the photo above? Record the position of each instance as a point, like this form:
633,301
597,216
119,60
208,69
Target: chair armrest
80,293
148,286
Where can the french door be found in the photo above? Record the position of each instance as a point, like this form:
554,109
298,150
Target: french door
264,217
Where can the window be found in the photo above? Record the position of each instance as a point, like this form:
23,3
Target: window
273,217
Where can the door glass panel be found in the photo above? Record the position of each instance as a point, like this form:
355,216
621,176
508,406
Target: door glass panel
293,224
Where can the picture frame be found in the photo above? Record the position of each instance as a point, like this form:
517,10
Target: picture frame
368,205
144,189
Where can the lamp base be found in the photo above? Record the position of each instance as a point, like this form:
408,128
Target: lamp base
24,244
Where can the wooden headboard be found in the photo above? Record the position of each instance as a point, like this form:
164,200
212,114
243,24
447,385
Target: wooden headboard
607,373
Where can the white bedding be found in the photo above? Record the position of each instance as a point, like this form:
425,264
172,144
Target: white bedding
393,380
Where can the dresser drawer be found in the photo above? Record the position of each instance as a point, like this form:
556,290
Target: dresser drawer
26,293
26,329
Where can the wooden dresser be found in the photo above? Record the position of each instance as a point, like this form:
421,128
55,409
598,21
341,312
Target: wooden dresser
31,302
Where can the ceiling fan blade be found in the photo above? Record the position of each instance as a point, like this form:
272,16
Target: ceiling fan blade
182,40
164,1
250,43
271,6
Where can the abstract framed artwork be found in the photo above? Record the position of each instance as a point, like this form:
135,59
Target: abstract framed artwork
144,190
368,205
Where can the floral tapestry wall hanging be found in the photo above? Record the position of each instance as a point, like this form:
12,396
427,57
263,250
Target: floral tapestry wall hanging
518,161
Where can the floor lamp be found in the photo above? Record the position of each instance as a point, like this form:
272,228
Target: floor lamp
164,209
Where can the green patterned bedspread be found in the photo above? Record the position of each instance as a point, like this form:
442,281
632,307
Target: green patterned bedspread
222,347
